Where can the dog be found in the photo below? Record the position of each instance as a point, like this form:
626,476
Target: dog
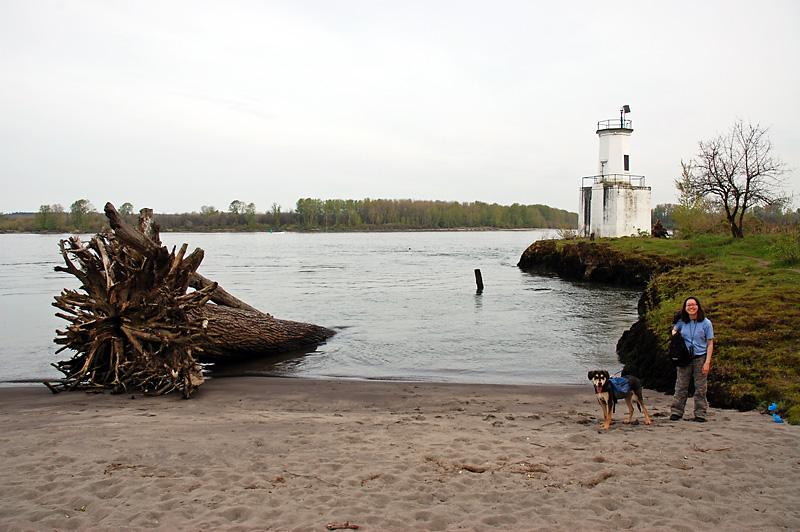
604,391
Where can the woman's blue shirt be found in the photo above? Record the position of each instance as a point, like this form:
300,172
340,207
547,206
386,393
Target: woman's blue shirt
696,334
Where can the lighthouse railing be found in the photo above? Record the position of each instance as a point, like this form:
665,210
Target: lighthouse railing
614,123
632,180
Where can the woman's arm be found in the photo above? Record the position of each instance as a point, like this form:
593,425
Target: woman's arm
709,352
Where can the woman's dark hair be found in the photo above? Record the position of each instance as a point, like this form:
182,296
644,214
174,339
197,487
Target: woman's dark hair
685,315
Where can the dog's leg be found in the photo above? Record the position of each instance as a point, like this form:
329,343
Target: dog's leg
602,405
606,412
644,410
630,409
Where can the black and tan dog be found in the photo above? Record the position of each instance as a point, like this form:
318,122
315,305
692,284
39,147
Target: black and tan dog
604,391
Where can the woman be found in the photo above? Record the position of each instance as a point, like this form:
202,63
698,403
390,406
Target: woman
698,333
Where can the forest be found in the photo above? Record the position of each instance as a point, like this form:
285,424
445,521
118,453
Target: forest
381,215
309,215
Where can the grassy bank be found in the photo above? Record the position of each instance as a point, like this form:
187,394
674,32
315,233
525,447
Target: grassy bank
752,295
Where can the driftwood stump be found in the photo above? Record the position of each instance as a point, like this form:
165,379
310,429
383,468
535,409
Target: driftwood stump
135,325
658,230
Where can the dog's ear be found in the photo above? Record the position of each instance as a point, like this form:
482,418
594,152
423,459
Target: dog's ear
591,374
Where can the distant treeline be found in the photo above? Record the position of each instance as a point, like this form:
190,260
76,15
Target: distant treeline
414,214
309,215
691,220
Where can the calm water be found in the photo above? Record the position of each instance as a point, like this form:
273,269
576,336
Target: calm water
404,305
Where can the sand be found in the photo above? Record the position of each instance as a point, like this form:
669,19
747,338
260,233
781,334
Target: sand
302,454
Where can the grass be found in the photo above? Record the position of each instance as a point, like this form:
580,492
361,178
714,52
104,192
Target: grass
752,296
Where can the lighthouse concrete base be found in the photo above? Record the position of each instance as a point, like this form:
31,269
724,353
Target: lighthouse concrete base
614,209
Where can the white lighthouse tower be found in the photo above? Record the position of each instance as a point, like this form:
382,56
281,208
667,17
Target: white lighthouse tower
614,202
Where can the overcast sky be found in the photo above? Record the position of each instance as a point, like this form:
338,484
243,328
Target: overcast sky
175,104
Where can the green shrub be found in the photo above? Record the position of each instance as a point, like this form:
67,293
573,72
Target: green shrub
786,248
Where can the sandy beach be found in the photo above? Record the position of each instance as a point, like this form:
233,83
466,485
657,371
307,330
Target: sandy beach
313,455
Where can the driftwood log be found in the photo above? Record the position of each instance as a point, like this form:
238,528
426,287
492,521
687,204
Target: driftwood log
135,325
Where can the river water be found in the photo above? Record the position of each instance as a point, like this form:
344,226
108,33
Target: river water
404,305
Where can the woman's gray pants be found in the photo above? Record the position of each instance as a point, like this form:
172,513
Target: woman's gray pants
685,374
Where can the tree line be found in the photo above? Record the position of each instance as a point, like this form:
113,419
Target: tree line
416,214
309,215
691,220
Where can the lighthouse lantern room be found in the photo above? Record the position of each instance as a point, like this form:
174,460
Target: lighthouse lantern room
614,202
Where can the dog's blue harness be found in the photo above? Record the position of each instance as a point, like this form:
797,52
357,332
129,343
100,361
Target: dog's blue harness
621,387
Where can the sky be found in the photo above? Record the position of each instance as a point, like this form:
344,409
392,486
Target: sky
179,104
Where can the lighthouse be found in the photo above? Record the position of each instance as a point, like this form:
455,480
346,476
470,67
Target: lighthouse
614,202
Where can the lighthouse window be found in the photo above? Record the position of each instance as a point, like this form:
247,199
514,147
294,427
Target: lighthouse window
627,162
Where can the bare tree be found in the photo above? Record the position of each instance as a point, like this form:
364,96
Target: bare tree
738,171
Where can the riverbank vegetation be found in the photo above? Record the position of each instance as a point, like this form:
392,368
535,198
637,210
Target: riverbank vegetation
309,215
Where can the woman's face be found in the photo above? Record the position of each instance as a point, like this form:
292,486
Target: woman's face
691,307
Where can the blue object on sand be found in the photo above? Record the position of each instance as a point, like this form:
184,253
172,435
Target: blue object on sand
775,416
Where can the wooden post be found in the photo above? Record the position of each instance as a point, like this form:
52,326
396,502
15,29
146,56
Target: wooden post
479,280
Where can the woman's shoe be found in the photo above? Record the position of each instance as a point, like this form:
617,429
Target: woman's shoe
699,419
676,417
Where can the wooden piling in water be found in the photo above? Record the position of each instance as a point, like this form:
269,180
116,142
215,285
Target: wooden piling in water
479,279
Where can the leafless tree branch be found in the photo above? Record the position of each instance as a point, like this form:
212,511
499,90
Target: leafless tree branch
737,170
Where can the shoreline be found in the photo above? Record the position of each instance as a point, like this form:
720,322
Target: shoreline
310,231
249,374
256,453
